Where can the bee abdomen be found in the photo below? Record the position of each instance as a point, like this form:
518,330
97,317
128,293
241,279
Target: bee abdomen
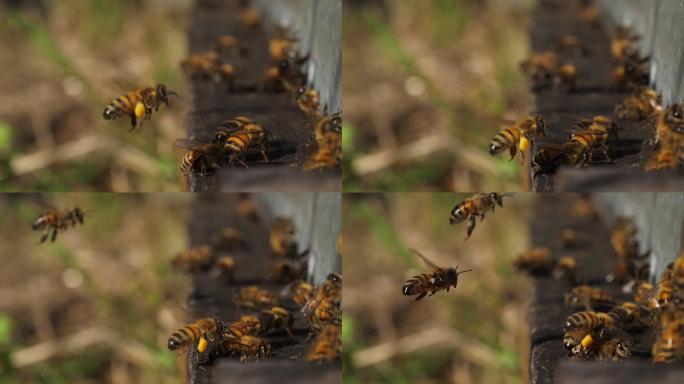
416,285
184,336
504,139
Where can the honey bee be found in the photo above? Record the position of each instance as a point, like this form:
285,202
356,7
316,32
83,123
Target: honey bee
536,261
432,282
474,207
247,210
571,45
251,17
326,304
565,269
282,237
517,136
669,346
641,290
614,346
202,65
240,135
201,158
56,220
247,347
229,238
539,67
261,323
568,238
622,43
206,332
224,267
308,101
281,45
328,155
138,104
549,158
597,133
253,297
285,271
287,74
584,295
231,45
590,14
670,124
588,320
325,125
301,292
194,260
626,246
328,346
565,77
582,208
631,73
642,105
664,159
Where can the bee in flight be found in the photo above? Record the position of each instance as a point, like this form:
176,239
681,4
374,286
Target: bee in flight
431,282
476,206
206,332
138,104
517,136
56,220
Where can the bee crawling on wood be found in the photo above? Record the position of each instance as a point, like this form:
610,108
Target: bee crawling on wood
195,260
328,134
138,104
432,282
536,261
247,347
56,220
229,238
325,306
254,297
328,345
585,296
474,207
644,104
308,100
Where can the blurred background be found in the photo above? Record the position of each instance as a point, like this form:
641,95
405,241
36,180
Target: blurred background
64,62
97,305
476,333
428,89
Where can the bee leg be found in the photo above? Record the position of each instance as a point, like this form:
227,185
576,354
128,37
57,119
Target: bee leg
421,296
472,221
512,152
54,235
45,235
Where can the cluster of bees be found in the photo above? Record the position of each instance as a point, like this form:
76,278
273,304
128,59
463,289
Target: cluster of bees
235,139
247,337
593,140
602,327
439,278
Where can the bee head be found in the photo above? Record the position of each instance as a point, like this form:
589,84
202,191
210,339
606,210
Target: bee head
283,65
161,91
78,214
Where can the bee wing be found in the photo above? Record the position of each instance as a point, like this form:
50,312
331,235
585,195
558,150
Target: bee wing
42,204
208,148
120,85
429,263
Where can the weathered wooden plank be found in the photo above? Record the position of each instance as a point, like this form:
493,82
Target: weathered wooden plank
211,297
290,131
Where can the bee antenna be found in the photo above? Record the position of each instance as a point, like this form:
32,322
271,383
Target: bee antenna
172,93
464,271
